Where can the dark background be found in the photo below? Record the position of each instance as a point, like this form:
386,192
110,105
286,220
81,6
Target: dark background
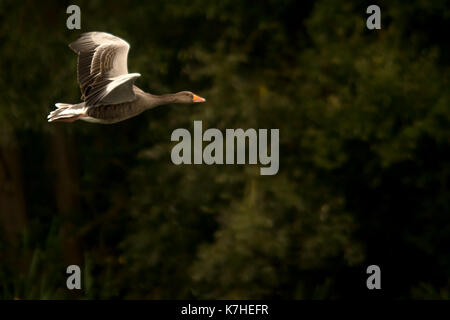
364,123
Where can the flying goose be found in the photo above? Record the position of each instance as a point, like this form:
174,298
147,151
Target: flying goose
107,89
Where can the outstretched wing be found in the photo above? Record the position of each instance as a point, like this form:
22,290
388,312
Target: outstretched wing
102,69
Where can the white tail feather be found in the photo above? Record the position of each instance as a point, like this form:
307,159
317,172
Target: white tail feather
66,111
62,105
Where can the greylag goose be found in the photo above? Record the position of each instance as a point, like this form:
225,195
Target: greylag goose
108,91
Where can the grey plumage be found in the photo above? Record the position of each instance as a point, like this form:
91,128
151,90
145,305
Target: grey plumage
107,88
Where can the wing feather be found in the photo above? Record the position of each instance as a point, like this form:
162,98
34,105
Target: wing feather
102,60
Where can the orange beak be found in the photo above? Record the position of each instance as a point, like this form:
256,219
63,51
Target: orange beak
196,98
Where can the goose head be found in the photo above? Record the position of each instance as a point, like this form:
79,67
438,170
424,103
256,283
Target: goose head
188,97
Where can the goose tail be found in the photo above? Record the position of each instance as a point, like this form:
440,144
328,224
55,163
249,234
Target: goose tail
66,112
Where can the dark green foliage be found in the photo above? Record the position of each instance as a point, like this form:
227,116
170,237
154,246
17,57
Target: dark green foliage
364,175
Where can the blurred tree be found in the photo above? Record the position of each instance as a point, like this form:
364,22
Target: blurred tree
364,149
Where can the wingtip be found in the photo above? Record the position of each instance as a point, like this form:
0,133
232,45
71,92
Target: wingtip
74,44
